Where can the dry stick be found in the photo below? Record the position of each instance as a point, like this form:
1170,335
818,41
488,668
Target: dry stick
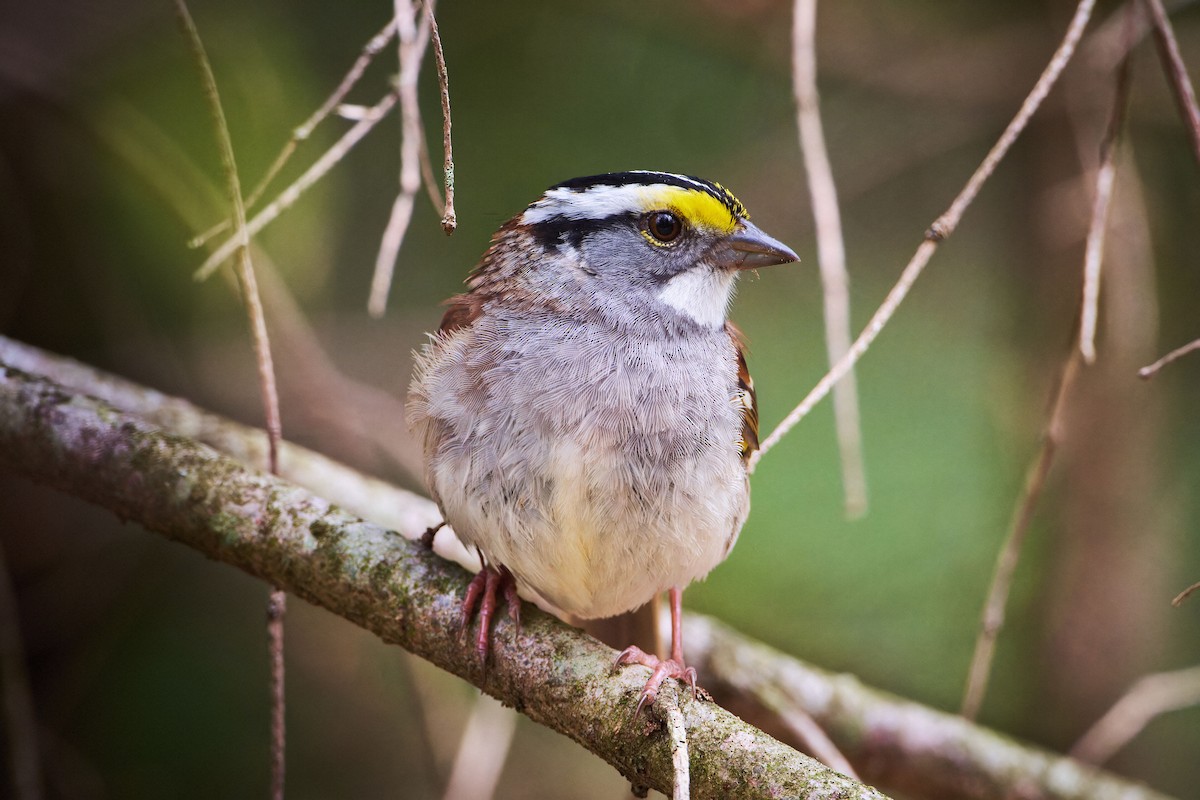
482,751
266,375
814,738
1145,373
412,50
942,228
1152,696
1006,563
831,251
20,719
292,193
427,179
300,134
1094,249
670,714
1181,84
1185,594
449,217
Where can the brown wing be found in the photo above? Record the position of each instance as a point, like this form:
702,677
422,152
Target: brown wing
746,399
461,311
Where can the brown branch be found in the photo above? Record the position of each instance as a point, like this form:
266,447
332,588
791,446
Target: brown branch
1177,601
278,531
1006,562
310,176
831,251
277,602
449,217
412,46
1177,75
1152,696
1102,199
20,719
305,129
281,534
1145,373
910,748
941,229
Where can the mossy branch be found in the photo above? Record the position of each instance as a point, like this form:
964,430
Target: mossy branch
385,583
172,484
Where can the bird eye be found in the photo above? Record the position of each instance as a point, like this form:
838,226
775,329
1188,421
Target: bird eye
664,226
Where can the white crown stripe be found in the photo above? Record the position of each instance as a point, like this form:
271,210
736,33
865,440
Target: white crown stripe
596,202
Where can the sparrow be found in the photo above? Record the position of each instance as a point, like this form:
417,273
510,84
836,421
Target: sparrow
585,409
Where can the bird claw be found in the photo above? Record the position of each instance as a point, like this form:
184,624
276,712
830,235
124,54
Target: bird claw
482,592
661,670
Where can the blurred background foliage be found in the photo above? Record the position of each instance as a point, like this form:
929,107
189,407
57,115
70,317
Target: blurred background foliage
148,662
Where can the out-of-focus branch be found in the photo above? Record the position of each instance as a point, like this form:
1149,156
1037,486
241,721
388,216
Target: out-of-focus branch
893,742
1101,200
412,44
19,718
293,192
1146,373
941,228
305,129
1177,601
406,595
280,532
1152,696
1006,562
831,250
1176,70
277,602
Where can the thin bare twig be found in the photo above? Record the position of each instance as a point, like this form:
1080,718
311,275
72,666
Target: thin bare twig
831,251
266,372
1177,74
942,228
814,739
1105,174
670,714
1006,563
276,611
1152,696
482,751
449,217
1185,594
412,50
427,179
292,193
1145,373
301,133
241,242
20,719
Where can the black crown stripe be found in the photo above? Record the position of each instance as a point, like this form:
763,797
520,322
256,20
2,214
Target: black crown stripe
647,177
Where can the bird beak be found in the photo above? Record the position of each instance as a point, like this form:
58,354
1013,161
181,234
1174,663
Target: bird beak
749,248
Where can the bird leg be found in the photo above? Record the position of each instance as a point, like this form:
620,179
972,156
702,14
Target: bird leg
482,592
670,668
430,532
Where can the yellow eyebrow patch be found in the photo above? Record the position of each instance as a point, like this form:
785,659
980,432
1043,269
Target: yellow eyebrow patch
699,208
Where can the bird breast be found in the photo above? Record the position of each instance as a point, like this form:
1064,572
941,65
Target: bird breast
599,469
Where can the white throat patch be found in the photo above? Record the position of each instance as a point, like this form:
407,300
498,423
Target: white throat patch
701,293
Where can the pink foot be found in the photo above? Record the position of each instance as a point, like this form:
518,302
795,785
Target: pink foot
663,669
482,592
672,667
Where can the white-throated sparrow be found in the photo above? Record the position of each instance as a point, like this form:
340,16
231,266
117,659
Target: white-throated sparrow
585,407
